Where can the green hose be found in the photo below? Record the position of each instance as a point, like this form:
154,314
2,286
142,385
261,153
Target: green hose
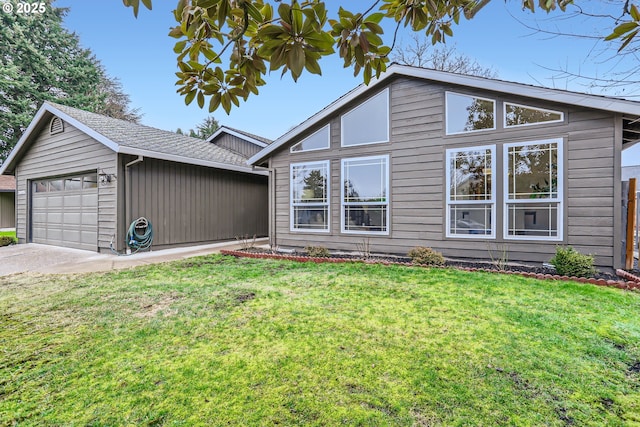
140,235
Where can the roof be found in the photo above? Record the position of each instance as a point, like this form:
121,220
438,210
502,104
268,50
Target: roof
629,109
7,184
249,137
130,138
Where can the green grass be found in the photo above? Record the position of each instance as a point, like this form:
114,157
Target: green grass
8,233
224,341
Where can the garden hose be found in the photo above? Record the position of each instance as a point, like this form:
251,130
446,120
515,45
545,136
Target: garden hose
140,235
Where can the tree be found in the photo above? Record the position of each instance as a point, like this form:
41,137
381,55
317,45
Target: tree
40,60
293,37
204,130
420,53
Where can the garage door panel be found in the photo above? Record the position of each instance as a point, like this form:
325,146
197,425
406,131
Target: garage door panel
65,217
90,218
73,201
72,218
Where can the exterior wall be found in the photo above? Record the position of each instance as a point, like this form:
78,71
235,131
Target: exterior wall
69,152
7,209
417,178
237,145
189,204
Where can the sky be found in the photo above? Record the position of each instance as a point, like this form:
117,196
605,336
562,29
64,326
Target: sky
140,53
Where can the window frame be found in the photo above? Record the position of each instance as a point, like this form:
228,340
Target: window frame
446,113
387,202
504,115
559,199
327,203
384,92
449,202
328,127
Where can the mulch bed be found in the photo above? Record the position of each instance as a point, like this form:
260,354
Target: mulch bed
622,279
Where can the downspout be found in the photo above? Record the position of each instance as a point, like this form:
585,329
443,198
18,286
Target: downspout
129,188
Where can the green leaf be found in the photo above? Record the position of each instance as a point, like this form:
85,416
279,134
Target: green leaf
312,66
189,98
634,13
179,47
226,102
374,18
627,39
147,4
296,60
200,99
214,103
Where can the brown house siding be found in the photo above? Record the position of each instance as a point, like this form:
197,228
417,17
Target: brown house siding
237,145
189,204
65,153
417,178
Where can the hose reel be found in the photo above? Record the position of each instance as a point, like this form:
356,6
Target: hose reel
140,235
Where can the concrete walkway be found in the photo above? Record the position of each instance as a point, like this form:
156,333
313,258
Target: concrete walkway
33,257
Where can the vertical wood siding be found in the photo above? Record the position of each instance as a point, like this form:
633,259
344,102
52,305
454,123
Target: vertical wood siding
7,210
417,172
237,145
191,204
65,153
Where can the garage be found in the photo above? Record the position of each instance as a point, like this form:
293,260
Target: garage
82,179
64,211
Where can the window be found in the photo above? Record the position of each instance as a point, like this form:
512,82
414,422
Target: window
90,181
365,195
533,186
522,115
316,141
468,114
310,196
368,123
471,192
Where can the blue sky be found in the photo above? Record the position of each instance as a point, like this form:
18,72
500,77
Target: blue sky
139,52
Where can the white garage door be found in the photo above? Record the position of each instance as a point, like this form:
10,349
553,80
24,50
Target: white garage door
64,211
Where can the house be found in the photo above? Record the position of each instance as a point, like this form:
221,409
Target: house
7,202
238,141
466,165
83,178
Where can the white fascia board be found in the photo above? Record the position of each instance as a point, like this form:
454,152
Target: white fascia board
236,134
46,107
191,161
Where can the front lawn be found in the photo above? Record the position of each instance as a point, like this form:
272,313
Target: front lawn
223,341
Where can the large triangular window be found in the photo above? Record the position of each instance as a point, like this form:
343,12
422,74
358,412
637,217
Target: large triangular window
316,141
523,115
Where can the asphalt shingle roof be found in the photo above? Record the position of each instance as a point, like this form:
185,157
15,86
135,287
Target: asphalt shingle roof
143,137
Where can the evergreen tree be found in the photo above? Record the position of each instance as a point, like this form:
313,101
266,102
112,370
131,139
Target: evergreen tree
40,60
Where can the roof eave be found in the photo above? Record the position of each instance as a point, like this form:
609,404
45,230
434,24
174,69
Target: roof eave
14,156
247,138
553,95
188,160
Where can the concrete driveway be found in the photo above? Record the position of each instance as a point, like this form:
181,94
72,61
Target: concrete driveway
33,257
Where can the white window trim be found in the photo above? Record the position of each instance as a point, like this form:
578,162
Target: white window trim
559,199
504,115
342,117
328,127
446,112
450,202
327,164
387,203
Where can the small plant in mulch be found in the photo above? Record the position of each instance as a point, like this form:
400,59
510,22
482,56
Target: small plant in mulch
569,262
317,251
426,256
7,240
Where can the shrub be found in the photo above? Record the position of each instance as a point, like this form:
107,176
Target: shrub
569,262
426,256
6,241
317,251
